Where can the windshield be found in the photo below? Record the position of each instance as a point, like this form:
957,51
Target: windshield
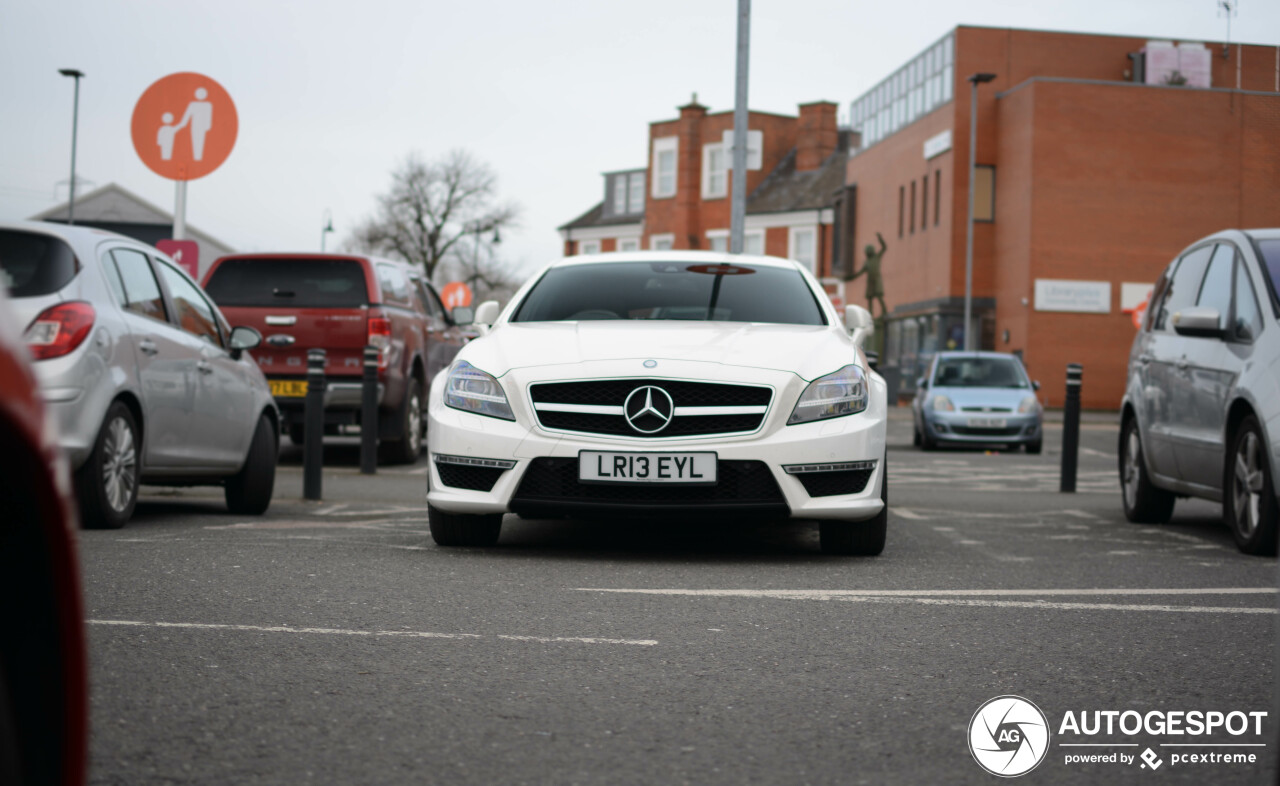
1271,263
33,264
979,372
285,283
671,290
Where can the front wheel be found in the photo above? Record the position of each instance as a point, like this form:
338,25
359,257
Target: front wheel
107,484
860,538
462,529
1248,496
248,491
1144,503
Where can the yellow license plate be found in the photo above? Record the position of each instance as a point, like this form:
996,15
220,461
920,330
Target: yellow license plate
288,388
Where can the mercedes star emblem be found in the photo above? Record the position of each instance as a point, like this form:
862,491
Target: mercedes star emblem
648,409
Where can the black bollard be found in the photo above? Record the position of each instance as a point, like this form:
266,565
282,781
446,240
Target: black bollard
369,413
313,427
1071,427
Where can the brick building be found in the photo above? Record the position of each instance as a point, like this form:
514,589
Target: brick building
1099,158
795,171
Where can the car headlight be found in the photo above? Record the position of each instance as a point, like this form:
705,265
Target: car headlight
1028,405
470,389
941,403
832,396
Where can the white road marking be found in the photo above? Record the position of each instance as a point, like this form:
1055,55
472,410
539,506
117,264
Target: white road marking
966,597
413,634
907,513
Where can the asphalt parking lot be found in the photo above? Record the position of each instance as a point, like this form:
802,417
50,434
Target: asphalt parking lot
333,642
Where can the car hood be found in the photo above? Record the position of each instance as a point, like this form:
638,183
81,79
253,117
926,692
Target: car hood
806,350
996,398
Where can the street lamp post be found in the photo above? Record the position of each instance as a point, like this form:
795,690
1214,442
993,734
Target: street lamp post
75,121
328,227
974,80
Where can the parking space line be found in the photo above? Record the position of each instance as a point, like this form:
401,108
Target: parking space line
413,634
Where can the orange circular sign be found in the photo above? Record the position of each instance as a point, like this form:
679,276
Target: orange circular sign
184,126
454,294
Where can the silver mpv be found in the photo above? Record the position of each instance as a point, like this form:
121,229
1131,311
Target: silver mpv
1201,412
140,371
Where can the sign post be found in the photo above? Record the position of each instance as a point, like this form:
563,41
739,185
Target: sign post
184,126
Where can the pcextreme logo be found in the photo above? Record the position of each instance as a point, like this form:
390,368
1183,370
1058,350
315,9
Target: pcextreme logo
1008,736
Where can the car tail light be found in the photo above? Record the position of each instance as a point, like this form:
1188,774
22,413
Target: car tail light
380,337
59,329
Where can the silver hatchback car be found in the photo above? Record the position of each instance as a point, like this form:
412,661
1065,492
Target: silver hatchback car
977,398
140,371
1201,411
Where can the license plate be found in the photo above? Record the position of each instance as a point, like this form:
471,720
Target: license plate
288,388
604,467
986,422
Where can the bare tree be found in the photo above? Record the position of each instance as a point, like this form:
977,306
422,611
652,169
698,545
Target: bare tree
433,210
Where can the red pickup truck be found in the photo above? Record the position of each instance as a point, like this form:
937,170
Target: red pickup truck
341,303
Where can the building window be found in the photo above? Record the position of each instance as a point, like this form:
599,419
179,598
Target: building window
753,243
902,198
661,242
637,192
937,196
924,202
913,207
984,193
715,177
664,166
755,149
718,240
803,244
619,194
629,244
590,247
916,89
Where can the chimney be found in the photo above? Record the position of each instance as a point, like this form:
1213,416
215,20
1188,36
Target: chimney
817,136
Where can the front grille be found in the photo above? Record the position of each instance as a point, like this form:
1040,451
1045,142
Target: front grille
684,395
461,476
976,431
829,484
985,409
552,484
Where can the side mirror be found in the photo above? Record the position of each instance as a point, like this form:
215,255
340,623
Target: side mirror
242,338
487,313
1035,384
859,323
463,315
1198,321
923,383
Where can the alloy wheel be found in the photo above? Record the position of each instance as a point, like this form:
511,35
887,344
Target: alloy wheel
415,425
1248,485
1132,470
119,465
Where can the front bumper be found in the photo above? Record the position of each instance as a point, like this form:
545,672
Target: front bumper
750,464
973,427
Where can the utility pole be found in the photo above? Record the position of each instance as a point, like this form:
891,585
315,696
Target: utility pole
75,122
738,199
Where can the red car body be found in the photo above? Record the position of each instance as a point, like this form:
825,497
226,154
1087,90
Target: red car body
43,666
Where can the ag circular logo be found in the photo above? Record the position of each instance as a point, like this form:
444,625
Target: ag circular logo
648,409
1008,736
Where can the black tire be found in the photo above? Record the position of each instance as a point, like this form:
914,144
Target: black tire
860,538
248,491
915,436
1248,495
1144,503
927,442
1034,448
107,484
461,529
408,445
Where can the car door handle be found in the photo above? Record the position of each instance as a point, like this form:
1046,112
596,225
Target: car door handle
148,347
204,368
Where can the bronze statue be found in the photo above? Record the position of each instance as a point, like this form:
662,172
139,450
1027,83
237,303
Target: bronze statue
875,283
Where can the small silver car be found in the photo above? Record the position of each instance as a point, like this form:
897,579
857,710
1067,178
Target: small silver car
139,370
977,398
1201,410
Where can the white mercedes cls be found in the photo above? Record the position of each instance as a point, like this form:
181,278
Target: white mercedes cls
675,383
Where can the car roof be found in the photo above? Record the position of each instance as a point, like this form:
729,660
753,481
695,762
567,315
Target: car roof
1263,234
705,257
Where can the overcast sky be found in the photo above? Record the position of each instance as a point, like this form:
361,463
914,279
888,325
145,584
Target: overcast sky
332,94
